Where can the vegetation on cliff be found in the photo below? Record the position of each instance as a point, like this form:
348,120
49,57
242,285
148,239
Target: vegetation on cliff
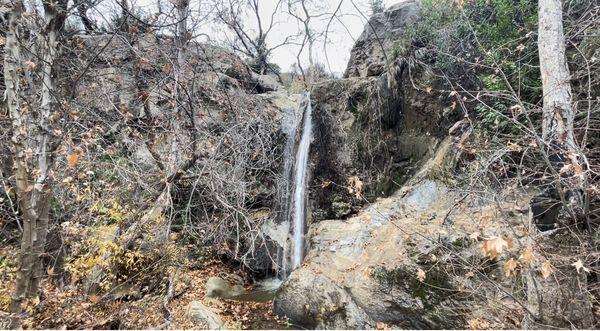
453,168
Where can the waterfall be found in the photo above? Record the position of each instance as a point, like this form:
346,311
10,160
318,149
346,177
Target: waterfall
292,119
300,179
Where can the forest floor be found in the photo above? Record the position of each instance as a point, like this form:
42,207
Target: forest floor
68,307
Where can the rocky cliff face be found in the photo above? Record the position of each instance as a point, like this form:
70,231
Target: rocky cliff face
378,127
374,49
405,261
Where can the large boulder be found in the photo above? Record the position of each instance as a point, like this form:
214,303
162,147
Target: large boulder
217,287
374,48
201,314
266,83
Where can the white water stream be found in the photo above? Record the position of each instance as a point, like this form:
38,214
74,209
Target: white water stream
300,178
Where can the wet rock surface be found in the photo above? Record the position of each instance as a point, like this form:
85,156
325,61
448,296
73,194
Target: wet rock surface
391,262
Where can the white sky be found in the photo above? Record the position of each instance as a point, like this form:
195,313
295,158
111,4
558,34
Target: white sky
340,38
342,31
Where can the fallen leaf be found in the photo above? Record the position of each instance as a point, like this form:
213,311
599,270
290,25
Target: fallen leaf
167,68
421,275
492,248
326,183
513,147
516,109
382,326
355,185
527,256
566,168
546,269
579,265
35,301
478,324
73,159
74,114
510,267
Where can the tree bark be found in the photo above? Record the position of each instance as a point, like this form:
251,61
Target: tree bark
560,300
12,65
33,146
557,123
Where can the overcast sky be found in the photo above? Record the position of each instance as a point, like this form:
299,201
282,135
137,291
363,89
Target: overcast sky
334,54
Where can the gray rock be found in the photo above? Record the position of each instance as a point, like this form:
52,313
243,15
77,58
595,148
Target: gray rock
199,313
375,44
326,305
266,83
220,288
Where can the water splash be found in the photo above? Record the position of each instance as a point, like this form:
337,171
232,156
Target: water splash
300,176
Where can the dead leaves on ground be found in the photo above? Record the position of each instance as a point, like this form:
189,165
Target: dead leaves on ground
478,324
382,326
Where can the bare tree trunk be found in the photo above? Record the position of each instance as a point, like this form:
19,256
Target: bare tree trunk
32,141
12,64
560,301
557,125
40,199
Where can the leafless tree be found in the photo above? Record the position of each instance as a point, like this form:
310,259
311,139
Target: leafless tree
255,44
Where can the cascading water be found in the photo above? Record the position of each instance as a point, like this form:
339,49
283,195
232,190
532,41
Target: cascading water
292,119
299,198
